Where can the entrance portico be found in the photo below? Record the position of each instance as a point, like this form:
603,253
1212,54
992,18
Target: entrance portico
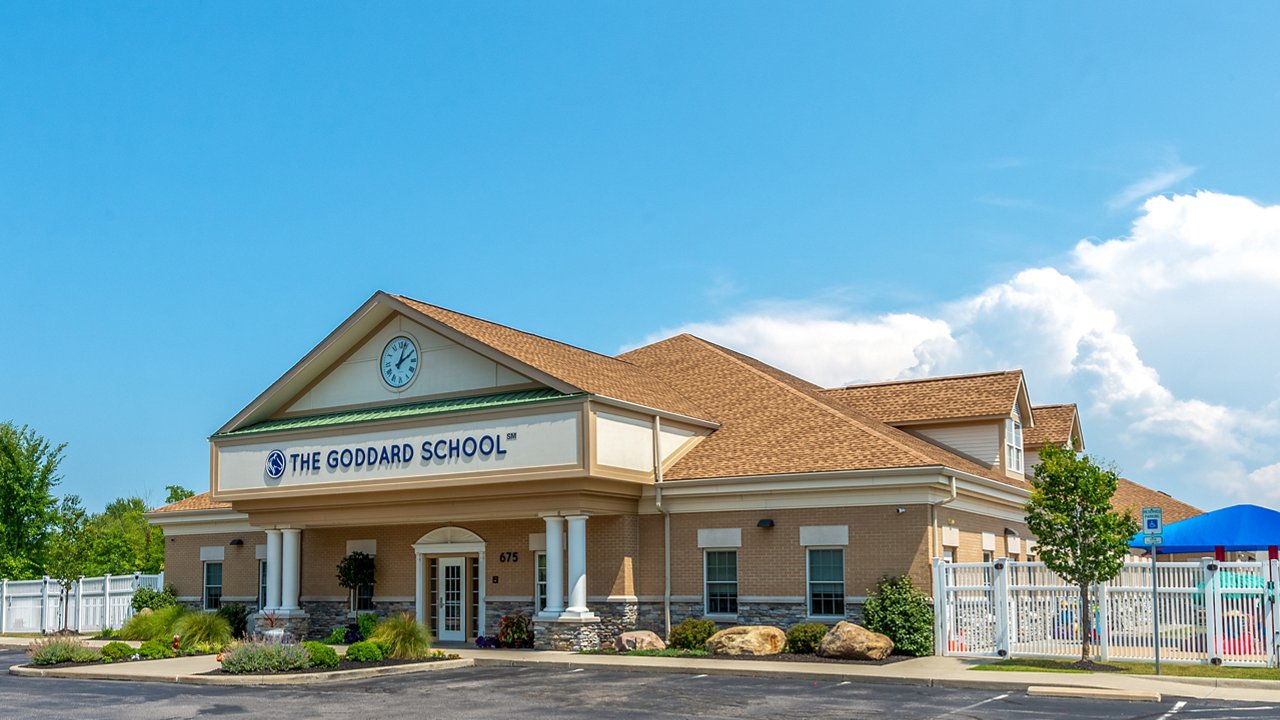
449,550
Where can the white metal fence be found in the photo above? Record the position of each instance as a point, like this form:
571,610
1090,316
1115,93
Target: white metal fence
36,606
1209,612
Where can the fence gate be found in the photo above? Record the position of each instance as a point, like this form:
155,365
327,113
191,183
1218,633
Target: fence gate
1209,611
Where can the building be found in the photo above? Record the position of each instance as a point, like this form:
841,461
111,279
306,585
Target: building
491,471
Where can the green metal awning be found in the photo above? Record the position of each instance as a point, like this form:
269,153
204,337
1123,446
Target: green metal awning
399,412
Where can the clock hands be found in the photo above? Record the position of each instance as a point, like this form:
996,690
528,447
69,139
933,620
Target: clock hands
403,356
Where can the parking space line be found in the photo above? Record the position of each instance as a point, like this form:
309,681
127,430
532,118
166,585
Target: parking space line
975,705
1174,710
1258,708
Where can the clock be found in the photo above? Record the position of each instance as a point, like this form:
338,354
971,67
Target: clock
399,363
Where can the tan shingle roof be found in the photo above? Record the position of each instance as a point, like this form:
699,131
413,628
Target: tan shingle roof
774,423
592,372
195,502
944,398
1054,424
1133,497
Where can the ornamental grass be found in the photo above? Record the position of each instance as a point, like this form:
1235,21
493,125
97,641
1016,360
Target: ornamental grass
154,625
403,637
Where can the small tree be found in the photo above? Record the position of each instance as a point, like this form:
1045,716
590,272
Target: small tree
68,550
1078,535
355,570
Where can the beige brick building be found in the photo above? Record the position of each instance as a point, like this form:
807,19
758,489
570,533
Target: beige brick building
489,471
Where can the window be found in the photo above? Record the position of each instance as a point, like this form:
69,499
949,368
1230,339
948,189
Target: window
362,598
540,581
986,556
1013,445
949,555
826,582
212,585
721,573
262,584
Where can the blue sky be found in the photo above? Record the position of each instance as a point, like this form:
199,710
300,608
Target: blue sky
192,195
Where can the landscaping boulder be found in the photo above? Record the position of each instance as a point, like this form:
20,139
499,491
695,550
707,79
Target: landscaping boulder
747,640
847,641
638,640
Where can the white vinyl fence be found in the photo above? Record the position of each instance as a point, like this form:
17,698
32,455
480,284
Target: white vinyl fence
35,606
1209,611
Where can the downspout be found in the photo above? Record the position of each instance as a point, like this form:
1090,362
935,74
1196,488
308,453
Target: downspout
666,525
933,517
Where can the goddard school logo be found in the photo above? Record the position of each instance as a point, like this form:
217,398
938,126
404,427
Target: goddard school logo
275,464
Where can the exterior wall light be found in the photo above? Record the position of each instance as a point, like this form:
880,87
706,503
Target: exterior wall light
236,541
765,523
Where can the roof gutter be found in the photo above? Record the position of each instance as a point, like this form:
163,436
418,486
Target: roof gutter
933,517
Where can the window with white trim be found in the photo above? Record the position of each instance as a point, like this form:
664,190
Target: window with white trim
1013,445
212,585
262,584
826,582
720,571
949,555
540,580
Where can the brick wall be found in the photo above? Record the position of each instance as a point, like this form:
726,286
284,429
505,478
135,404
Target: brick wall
972,526
771,561
183,569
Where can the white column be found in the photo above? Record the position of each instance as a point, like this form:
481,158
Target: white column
555,566
274,558
577,568
420,588
290,568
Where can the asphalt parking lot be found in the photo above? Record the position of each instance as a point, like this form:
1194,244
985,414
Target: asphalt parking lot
500,692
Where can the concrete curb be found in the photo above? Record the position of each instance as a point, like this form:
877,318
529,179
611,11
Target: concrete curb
285,679
1092,693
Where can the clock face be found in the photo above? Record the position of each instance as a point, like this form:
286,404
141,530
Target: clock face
399,362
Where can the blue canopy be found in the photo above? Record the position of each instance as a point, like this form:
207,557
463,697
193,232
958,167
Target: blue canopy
1239,527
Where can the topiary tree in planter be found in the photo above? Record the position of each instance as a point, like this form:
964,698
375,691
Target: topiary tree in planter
355,570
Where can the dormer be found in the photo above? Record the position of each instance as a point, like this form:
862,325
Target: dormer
1055,424
982,416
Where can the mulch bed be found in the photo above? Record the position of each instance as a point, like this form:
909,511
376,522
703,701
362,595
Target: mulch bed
343,664
1091,666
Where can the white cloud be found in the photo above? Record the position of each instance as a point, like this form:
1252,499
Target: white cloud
1197,279
826,349
1156,182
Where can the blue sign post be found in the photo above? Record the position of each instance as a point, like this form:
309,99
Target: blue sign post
1153,536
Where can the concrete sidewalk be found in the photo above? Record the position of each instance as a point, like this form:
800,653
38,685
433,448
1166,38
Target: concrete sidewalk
10,642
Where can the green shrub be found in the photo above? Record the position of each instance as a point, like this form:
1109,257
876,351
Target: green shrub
364,651
155,650
116,651
337,636
367,622
153,625
320,655
691,633
383,646
203,628
154,599
263,657
899,610
404,638
803,639
52,651
237,617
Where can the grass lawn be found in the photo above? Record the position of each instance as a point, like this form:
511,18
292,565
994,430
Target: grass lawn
1135,668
